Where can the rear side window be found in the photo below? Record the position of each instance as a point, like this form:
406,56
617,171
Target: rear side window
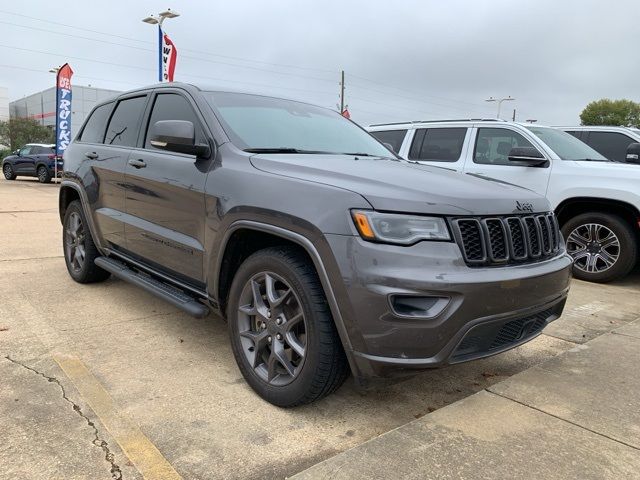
93,131
494,144
610,144
575,133
392,137
172,106
437,144
36,150
125,122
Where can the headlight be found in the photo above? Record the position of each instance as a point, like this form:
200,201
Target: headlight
398,228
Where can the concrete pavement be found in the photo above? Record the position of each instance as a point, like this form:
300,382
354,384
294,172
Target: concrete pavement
173,378
575,416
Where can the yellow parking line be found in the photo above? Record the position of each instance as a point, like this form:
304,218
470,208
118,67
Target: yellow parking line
137,447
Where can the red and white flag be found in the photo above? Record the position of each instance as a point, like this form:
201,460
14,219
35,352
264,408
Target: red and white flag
345,113
169,55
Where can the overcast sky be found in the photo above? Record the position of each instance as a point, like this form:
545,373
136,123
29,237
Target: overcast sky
404,60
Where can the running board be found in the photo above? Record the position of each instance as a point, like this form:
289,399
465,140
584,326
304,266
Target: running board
160,289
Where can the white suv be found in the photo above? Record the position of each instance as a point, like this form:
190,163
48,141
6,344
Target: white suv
612,142
597,201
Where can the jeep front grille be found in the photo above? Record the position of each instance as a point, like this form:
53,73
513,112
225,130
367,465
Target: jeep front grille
507,240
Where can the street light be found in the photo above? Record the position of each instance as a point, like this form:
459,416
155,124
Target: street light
158,20
499,100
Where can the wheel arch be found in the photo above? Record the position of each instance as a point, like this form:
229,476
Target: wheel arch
575,206
245,237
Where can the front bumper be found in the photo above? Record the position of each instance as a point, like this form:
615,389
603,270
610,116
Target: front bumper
488,309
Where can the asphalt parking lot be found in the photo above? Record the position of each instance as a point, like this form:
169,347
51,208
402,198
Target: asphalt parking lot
105,381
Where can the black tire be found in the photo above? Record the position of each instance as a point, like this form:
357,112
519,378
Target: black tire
85,271
585,226
43,174
8,172
324,366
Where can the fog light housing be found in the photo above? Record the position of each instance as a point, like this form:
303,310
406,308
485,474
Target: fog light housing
417,306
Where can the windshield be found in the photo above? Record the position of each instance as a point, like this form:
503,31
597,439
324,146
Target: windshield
257,123
566,146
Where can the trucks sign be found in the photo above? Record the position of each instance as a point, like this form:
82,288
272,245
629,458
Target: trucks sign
63,108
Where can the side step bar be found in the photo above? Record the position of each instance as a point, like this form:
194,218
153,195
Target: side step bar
163,290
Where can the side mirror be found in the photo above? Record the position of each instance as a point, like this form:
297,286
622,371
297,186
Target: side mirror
633,153
17,152
177,136
529,155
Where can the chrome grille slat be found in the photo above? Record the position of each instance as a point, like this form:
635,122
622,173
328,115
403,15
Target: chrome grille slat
508,239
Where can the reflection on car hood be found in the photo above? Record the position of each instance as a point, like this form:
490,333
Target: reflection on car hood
393,185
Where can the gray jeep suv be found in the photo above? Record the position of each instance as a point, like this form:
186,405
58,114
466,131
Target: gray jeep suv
324,251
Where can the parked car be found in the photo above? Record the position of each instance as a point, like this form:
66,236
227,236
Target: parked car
321,248
33,160
596,201
611,142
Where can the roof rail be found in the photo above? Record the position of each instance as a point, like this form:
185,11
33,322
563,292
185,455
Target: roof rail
439,121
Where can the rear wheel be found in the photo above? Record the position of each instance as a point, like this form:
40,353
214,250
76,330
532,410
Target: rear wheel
8,172
282,333
43,174
79,249
603,246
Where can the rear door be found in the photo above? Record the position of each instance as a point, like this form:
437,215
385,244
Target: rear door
489,158
105,143
441,146
165,200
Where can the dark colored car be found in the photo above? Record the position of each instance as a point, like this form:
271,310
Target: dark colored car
33,160
323,251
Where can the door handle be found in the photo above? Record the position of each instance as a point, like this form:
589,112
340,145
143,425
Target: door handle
137,163
91,155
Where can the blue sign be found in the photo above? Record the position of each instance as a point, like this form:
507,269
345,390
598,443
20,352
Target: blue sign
63,108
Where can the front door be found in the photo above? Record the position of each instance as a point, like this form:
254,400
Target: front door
25,163
489,158
164,198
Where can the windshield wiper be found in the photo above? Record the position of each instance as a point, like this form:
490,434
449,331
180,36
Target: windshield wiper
281,150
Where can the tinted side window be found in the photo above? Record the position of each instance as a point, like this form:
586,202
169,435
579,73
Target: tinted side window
493,145
26,150
575,133
125,122
392,137
93,131
172,106
610,144
438,144
36,150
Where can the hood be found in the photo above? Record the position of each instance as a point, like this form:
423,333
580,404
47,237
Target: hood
405,187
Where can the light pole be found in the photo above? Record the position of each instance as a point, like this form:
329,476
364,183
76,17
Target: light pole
499,100
153,20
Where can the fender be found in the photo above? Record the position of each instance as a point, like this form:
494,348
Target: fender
317,262
84,201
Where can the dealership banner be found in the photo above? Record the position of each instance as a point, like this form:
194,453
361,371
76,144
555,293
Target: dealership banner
168,55
63,108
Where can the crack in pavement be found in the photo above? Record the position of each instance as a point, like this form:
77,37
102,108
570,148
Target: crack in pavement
116,473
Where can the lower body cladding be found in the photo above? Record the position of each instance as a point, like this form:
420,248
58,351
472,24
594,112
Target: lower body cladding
422,307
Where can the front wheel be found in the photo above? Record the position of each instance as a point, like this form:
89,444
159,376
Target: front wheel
603,246
8,172
282,334
43,174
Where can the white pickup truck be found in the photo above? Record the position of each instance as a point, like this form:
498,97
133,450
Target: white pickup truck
597,201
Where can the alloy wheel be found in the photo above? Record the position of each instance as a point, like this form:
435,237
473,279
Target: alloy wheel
42,174
75,241
594,247
7,172
272,328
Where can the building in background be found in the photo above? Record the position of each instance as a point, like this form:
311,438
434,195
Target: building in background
41,106
4,104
